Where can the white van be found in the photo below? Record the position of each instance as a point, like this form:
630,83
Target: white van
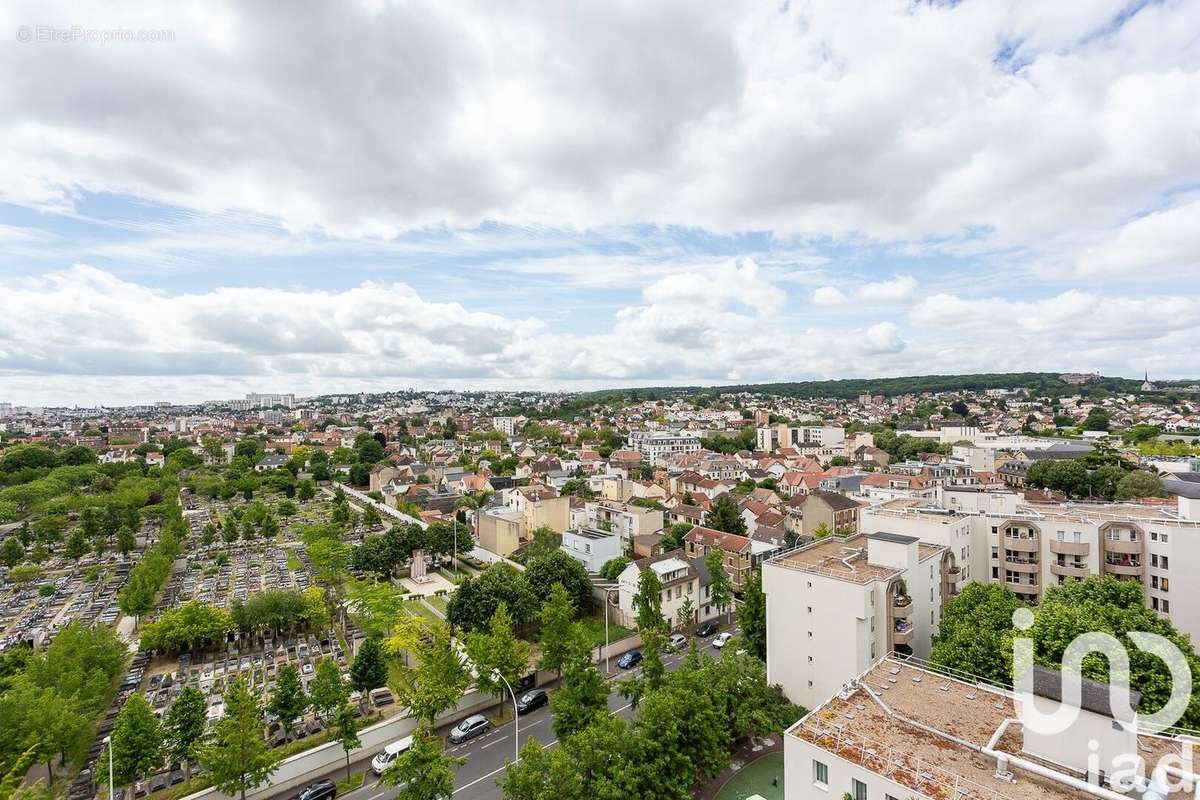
384,758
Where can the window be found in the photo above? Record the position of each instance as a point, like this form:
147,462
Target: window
1165,584
820,773
1165,562
1153,560
1154,536
858,789
1166,606
1060,535
1165,539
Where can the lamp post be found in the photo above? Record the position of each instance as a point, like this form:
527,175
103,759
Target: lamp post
108,742
496,676
607,594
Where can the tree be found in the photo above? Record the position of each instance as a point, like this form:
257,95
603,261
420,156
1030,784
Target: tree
327,692
125,540
368,670
720,587
475,602
137,741
497,654
543,773
370,517
438,681
686,615
375,606
305,491
556,618
229,530
423,771
184,726
821,531
974,635
614,567
583,694
557,568
11,552
647,602
724,515
752,615
288,701
76,545
1140,483
345,733
239,758
1096,420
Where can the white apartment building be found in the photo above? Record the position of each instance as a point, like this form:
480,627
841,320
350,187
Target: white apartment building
506,425
658,446
899,731
772,436
837,605
682,579
1028,546
591,547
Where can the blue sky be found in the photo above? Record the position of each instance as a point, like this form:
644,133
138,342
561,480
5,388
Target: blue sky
385,195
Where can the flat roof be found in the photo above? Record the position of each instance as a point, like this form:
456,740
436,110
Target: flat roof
895,538
591,533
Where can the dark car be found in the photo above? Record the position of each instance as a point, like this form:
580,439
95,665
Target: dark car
707,629
531,700
630,659
469,728
324,789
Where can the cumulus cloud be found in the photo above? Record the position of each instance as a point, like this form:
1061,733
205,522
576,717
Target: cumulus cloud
829,296
900,289
895,121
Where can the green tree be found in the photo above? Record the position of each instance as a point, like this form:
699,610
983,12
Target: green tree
559,569
423,771
543,773
345,733
288,701
1140,483
305,491
184,726
11,552
137,741
327,692
125,540
720,587
557,619
76,545
752,615
975,632
615,566
647,602
498,651
724,515
583,693
439,679
239,758
368,670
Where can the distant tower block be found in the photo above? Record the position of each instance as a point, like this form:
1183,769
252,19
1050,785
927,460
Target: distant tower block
417,572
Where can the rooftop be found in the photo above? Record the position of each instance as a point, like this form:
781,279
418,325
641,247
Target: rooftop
836,557
924,730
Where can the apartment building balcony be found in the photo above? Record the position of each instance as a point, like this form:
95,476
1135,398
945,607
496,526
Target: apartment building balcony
1069,570
901,606
1027,567
902,633
1070,548
1023,588
1123,569
1020,545
1122,546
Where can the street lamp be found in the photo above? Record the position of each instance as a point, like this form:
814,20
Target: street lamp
607,594
496,676
108,742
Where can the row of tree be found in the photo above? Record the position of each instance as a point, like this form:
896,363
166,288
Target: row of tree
477,599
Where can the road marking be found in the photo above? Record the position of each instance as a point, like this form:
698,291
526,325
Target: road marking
537,722
492,742
377,796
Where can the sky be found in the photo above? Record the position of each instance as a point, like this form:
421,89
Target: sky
199,200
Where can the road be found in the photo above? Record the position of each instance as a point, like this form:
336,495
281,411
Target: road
487,754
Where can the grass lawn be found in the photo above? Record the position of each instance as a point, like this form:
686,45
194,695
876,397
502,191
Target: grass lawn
595,629
448,574
437,602
756,778
418,609
293,561
355,782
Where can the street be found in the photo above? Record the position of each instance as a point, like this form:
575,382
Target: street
487,754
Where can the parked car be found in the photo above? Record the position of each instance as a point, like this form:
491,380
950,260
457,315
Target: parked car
722,639
469,728
531,700
677,641
630,659
707,629
324,789
384,758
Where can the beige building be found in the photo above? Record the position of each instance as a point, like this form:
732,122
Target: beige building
502,529
835,511
682,579
1029,546
624,519
836,606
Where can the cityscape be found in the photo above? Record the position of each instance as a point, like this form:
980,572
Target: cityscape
600,401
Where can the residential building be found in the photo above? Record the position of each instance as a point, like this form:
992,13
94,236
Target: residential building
837,605
770,437
624,519
507,425
740,554
837,512
899,730
658,446
682,579
591,547
270,461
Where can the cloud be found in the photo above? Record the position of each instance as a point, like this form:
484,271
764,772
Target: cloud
895,122
829,296
1166,241
900,289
